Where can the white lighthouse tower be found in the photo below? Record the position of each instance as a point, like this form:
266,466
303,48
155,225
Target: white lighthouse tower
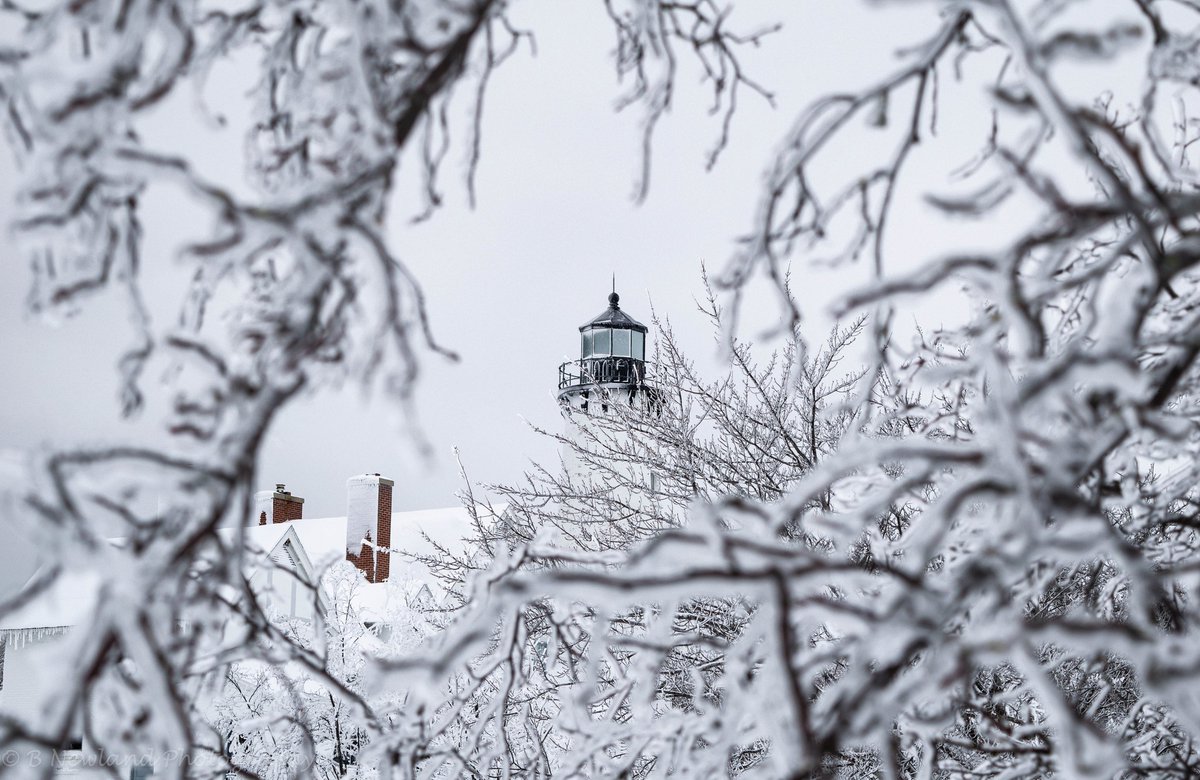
610,379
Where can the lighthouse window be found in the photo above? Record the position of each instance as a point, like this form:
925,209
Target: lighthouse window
602,342
586,348
620,343
639,345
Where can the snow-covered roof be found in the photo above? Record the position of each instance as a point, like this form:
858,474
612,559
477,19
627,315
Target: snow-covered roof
68,600
323,538
413,533
73,595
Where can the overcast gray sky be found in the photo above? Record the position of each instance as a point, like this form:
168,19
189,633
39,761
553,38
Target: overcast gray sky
508,282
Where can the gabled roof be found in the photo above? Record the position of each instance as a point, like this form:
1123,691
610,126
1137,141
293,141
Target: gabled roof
68,600
323,539
289,554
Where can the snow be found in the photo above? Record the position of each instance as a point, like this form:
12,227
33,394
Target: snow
413,534
68,600
448,527
323,538
362,508
73,594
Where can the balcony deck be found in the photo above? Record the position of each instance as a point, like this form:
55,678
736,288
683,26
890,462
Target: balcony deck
601,371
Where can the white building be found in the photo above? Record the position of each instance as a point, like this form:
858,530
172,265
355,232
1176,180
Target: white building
286,554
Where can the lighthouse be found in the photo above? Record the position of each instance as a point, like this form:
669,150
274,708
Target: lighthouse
611,404
611,368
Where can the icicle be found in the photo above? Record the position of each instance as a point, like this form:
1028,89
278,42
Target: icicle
19,637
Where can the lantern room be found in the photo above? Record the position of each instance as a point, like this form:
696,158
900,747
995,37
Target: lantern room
612,357
613,334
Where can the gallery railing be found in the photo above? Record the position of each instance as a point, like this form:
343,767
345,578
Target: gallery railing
601,371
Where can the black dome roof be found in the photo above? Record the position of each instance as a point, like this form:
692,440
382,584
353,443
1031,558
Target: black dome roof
613,317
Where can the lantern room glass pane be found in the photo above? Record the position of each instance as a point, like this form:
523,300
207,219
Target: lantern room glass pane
602,342
639,345
621,343
585,348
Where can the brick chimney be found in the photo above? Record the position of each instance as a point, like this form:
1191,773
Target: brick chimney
369,525
277,506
